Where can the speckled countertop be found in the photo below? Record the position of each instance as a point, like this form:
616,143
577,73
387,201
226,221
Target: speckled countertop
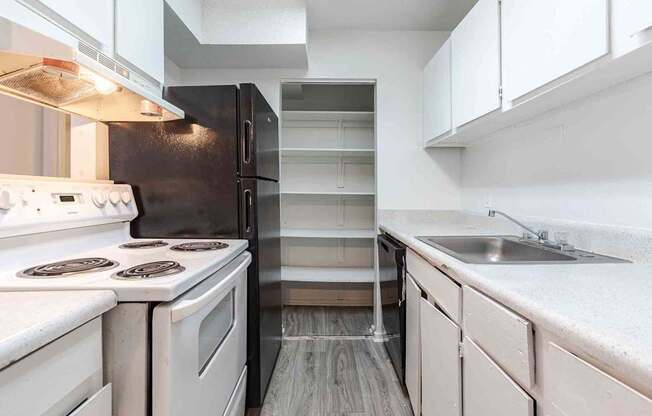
30,320
604,310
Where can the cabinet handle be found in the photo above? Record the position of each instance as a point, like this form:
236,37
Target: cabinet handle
246,141
248,203
641,31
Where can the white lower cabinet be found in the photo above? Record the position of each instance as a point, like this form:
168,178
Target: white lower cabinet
413,343
631,25
63,378
441,373
488,367
579,389
488,390
98,405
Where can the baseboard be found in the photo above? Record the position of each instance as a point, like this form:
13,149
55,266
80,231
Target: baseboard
328,294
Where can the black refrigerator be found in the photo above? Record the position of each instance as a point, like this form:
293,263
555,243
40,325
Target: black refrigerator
214,175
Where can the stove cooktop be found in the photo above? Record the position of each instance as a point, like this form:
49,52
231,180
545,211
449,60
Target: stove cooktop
143,244
200,246
68,268
148,272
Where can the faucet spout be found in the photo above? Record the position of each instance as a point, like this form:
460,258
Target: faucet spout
541,235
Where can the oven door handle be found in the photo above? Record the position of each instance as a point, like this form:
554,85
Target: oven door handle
185,308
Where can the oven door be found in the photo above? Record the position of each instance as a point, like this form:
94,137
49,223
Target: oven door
391,261
199,345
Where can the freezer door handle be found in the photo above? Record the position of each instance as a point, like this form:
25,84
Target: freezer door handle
248,204
247,135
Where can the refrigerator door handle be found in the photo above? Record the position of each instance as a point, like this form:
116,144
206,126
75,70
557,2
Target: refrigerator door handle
246,141
248,203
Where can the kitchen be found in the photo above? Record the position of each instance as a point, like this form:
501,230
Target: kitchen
317,207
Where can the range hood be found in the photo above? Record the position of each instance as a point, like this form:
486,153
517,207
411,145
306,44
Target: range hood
60,71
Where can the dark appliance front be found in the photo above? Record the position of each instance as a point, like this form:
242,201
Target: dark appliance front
187,182
391,263
259,144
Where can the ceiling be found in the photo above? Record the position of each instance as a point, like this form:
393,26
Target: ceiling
387,14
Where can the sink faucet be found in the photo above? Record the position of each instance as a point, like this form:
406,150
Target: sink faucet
541,235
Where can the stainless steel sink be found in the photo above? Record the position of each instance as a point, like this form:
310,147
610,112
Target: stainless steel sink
510,250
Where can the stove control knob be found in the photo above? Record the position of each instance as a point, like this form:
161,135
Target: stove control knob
99,199
126,197
6,201
114,197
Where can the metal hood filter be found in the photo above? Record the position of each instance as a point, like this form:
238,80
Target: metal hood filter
54,83
75,78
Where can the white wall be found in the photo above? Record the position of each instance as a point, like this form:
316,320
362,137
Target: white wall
21,139
254,22
590,162
408,176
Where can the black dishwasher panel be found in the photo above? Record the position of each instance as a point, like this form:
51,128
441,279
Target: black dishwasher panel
391,263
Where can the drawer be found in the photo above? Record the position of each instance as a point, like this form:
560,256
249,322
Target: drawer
98,405
488,390
445,292
505,336
57,378
236,406
579,389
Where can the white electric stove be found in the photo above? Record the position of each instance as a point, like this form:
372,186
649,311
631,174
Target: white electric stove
179,330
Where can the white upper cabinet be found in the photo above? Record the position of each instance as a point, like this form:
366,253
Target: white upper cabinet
437,94
631,24
476,63
92,21
544,40
139,33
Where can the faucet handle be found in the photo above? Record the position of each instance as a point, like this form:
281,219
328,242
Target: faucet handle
561,237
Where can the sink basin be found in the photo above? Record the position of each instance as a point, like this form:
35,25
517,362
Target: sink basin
509,250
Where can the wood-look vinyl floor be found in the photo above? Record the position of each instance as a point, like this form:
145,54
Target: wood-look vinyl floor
332,375
322,320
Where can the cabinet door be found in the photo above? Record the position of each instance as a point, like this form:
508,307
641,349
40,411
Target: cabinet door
488,391
437,93
632,24
413,343
139,36
441,366
475,63
92,21
544,40
579,389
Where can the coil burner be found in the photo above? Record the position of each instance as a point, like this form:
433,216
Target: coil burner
150,270
144,244
200,246
68,268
